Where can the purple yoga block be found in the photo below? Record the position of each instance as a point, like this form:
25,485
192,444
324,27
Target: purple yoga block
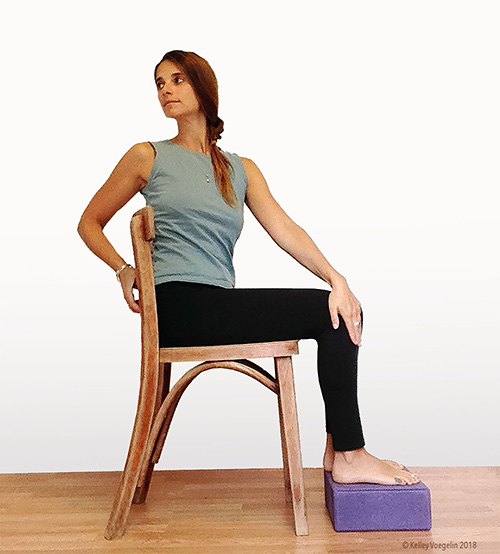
372,507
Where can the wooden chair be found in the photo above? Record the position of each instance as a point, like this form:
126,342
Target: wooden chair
157,402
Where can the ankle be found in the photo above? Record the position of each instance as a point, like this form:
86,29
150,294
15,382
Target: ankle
350,455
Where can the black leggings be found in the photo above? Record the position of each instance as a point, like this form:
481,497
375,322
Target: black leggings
196,314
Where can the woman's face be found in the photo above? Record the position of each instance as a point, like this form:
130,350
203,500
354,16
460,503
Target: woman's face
175,93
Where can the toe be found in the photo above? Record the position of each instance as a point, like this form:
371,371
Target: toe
406,477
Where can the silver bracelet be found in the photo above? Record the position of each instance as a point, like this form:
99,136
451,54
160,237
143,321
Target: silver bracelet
120,269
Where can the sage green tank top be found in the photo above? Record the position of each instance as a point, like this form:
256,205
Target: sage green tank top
196,231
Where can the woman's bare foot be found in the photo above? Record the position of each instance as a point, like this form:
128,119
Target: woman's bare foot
329,456
358,466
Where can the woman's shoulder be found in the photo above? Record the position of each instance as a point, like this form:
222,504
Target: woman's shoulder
143,155
143,150
248,164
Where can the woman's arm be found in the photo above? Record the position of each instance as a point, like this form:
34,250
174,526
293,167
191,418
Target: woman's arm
124,182
289,236
128,177
296,242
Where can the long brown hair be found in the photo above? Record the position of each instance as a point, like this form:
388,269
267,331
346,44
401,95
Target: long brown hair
203,80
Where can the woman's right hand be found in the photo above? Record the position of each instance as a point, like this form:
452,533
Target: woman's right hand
127,279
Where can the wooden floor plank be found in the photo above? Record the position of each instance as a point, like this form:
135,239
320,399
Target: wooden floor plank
238,511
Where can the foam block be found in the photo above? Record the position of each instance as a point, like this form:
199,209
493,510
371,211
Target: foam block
372,507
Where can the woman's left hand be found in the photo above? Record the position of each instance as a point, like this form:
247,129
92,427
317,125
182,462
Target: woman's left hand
342,301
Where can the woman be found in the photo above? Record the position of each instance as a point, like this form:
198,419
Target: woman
197,192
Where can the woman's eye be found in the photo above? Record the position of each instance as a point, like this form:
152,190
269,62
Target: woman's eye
161,85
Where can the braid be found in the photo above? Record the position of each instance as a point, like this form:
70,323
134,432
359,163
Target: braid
220,163
215,128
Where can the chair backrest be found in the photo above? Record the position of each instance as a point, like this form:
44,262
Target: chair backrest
142,229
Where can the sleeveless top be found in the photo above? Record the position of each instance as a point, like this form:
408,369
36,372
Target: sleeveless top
195,230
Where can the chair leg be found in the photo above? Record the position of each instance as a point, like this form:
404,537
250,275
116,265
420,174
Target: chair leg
163,389
286,470
130,475
290,426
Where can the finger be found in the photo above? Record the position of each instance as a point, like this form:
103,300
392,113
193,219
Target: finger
359,327
354,335
335,320
129,297
358,331
353,332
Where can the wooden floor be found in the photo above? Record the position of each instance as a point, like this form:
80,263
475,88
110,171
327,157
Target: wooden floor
234,512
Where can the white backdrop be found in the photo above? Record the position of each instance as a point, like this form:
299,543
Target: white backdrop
376,127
